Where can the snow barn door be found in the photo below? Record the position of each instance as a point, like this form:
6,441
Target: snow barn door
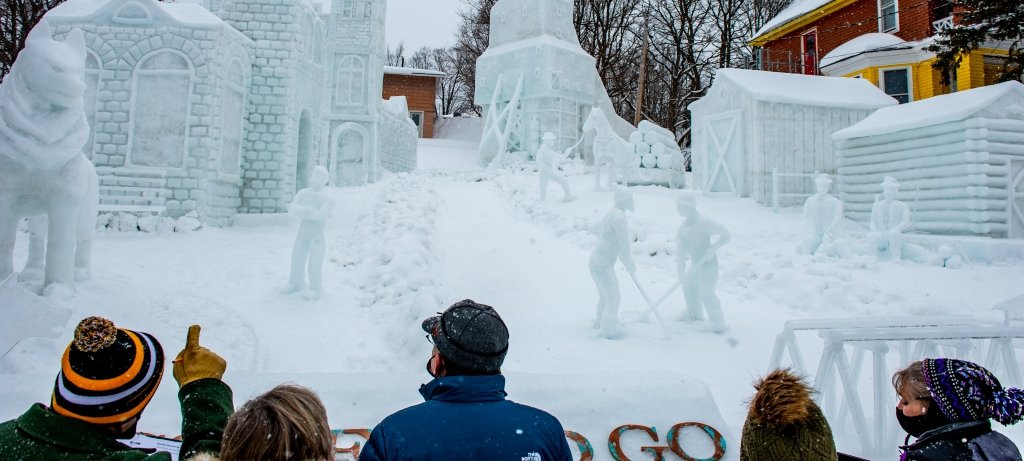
723,143
1016,230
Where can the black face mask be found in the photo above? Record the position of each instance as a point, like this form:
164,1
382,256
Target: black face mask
917,425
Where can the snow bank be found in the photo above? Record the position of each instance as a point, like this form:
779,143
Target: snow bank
867,42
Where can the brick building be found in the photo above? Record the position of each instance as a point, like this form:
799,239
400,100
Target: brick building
883,41
419,86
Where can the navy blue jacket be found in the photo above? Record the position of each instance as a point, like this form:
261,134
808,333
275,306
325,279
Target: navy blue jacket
467,418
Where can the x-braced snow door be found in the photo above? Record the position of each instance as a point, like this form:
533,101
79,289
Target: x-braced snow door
723,169
1016,230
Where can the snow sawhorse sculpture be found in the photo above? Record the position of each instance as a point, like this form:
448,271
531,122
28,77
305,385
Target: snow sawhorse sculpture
834,360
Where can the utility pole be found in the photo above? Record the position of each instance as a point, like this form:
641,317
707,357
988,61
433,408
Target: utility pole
643,75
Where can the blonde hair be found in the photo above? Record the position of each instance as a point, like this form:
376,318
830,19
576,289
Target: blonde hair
910,381
288,423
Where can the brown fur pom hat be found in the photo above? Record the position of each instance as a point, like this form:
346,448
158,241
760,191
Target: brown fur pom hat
108,374
783,422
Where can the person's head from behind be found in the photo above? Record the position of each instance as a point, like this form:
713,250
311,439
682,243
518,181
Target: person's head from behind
287,423
108,375
783,422
935,392
469,339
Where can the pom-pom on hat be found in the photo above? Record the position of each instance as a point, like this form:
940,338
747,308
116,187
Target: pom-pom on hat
965,391
108,374
471,335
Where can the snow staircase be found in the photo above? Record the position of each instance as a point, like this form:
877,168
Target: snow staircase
132,190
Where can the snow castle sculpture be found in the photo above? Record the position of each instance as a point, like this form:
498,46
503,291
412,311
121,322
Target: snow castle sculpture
694,245
613,245
535,74
42,168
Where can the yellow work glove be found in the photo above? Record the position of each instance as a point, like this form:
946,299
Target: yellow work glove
195,362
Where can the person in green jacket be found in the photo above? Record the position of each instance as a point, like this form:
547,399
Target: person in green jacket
108,375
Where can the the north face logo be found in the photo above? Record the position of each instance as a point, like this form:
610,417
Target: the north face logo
533,456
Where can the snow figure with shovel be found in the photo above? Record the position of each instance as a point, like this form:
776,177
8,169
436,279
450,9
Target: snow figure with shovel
547,160
613,244
824,216
313,206
889,219
699,277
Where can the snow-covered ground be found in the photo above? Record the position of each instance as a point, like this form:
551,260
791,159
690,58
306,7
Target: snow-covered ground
404,248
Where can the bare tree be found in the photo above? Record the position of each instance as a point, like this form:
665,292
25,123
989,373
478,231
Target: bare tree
17,18
450,87
396,56
474,37
607,29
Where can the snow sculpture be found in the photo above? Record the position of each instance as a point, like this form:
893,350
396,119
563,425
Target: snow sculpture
699,277
534,75
610,150
42,168
613,244
824,216
657,158
547,160
313,206
889,219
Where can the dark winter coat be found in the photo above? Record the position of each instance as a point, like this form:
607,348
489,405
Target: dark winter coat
41,434
467,418
970,441
784,423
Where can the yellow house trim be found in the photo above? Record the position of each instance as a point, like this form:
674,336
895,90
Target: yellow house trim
800,22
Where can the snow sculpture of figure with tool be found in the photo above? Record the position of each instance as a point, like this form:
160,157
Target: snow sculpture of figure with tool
313,207
889,219
613,245
698,279
548,160
824,216
43,170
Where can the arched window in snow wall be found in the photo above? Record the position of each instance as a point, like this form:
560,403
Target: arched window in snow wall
349,81
161,93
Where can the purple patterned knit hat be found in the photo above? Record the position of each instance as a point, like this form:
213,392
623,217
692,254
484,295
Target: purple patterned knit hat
965,391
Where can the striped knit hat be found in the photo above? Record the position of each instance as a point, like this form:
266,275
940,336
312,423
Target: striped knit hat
966,391
108,374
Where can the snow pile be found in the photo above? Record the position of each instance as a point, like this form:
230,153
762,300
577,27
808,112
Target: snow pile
868,42
128,222
397,252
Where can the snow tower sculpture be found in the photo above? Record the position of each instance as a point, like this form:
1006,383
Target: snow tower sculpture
42,168
536,78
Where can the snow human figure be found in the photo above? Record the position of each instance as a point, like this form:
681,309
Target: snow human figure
948,405
824,216
313,207
889,219
548,160
43,171
699,277
613,244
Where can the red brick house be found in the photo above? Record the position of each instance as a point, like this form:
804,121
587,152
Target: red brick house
883,41
419,86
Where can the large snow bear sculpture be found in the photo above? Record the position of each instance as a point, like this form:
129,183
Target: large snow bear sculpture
42,168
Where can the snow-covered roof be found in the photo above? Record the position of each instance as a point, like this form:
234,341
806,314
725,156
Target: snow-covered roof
794,10
932,111
393,70
867,42
540,40
807,90
192,14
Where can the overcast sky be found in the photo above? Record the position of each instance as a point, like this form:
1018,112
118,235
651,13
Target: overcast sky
422,23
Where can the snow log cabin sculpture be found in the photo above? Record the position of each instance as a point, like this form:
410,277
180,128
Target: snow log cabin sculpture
42,168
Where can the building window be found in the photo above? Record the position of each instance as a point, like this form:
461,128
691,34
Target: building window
888,16
896,83
232,118
349,81
809,44
348,8
92,85
161,92
417,118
